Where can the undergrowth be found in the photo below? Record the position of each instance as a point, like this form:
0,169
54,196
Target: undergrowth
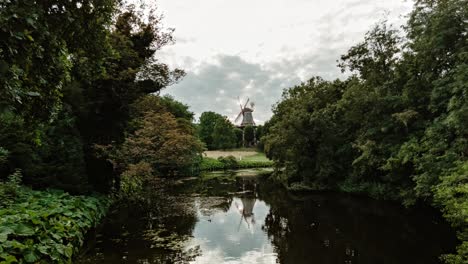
227,163
45,226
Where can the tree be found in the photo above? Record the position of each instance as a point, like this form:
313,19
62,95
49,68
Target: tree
39,44
208,120
166,143
239,137
223,135
178,109
163,142
103,104
397,129
249,135
85,62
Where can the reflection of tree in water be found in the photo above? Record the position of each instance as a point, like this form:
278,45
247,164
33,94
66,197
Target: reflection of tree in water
126,235
329,228
322,228
210,205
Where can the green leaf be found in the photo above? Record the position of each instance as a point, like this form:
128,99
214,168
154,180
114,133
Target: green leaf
8,259
4,232
24,230
30,256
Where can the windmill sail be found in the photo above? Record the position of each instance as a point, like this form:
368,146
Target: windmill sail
246,113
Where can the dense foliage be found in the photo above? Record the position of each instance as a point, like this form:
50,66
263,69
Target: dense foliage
397,128
45,226
74,76
217,132
231,163
160,145
70,72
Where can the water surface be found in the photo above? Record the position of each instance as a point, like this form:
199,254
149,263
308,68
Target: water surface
237,218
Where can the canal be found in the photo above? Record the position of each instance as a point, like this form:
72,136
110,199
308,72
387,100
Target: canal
236,217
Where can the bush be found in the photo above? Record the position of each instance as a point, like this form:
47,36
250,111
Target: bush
452,196
47,226
134,180
9,189
245,164
210,164
228,161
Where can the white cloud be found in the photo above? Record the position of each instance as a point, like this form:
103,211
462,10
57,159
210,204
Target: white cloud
279,42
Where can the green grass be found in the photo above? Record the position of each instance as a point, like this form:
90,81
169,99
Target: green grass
47,226
256,161
259,157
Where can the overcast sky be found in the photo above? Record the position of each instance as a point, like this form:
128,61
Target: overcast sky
256,48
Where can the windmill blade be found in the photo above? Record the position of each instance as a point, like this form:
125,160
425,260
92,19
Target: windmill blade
240,222
240,104
248,99
237,118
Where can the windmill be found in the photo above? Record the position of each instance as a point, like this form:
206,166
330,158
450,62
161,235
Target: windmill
246,114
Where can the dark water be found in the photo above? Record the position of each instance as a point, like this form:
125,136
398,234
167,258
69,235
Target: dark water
241,219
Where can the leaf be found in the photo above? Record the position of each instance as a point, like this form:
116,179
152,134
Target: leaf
33,94
24,230
30,21
4,232
30,256
9,259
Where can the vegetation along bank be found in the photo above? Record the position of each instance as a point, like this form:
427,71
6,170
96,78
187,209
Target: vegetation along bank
45,226
396,128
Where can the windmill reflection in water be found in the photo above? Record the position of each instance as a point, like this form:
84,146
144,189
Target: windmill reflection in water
248,192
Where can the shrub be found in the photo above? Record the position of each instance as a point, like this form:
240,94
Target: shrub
229,161
47,226
134,179
452,195
9,189
210,164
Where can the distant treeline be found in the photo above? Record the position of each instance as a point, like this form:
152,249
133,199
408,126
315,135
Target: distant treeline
397,128
217,132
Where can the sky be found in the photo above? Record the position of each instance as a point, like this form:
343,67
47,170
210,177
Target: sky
256,48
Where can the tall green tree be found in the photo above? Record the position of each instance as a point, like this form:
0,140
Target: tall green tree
40,45
224,136
70,73
103,104
39,42
208,120
249,135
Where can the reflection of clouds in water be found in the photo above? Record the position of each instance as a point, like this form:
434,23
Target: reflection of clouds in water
249,257
233,238
227,238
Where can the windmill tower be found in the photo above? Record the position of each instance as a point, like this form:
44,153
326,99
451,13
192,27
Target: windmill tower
246,114
247,119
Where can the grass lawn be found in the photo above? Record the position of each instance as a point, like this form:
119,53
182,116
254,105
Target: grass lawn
247,158
246,154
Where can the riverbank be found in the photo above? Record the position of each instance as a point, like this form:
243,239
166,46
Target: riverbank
451,199
46,226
